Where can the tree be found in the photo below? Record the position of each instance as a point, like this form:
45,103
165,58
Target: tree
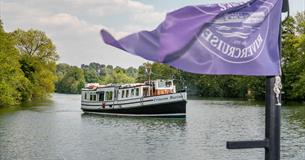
91,76
61,70
116,77
38,57
298,65
142,75
13,84
72,81
300,22
293,63
35,43
132,72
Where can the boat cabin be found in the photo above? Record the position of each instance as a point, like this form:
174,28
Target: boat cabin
103,93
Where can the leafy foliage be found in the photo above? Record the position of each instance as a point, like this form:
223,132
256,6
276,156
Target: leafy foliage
37,58
71,79
35,43
106,74
293,57
27,69
13,84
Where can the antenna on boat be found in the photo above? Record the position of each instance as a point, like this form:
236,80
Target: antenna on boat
148,67
149,73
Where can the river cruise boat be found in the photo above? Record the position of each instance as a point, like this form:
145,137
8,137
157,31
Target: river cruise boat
156,98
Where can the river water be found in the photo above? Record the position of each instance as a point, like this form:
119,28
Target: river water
58,130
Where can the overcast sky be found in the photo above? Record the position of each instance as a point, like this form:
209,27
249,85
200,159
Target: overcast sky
74,25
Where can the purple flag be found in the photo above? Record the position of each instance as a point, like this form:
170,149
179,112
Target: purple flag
231,38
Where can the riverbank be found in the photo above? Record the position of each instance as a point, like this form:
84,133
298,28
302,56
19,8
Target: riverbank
236,101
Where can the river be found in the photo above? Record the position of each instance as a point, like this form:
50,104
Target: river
58,130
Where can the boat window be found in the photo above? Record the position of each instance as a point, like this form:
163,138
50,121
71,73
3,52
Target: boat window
127,93
85,95
161,84
116,92
123,93
109,95
168,84
145,92
91,97
132,92
137,91
101,96
94,97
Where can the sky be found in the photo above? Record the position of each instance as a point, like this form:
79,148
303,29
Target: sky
74,25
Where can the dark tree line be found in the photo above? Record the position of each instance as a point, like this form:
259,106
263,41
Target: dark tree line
71,78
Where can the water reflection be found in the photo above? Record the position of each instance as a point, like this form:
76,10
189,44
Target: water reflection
296,115
143,121
38,105
293,132
136,137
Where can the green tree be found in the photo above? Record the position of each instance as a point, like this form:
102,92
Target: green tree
142,75
61,70
293,57
35,43
38,57
158,71
13,84
91,76
116,77
132,72
300,22
299,64
73,79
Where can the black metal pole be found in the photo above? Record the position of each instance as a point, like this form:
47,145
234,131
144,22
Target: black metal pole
272,140
271,143
273,121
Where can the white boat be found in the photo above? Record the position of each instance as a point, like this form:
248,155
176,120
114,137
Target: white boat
156,98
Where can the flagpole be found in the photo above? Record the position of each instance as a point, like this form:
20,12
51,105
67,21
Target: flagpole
272,120
273,106
272,141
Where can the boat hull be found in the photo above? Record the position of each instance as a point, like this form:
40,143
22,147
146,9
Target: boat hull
168,105
172,109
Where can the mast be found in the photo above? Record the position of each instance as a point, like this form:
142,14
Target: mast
148,67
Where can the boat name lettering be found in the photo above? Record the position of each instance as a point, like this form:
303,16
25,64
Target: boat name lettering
176,97
161,99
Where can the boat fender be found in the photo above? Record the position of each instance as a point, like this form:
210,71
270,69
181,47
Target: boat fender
103,104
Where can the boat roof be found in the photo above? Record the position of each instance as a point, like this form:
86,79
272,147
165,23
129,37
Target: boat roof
94,86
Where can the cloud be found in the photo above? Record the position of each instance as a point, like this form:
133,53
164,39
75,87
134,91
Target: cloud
130,5
149,17
135,11
61,19
74,25
67,22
